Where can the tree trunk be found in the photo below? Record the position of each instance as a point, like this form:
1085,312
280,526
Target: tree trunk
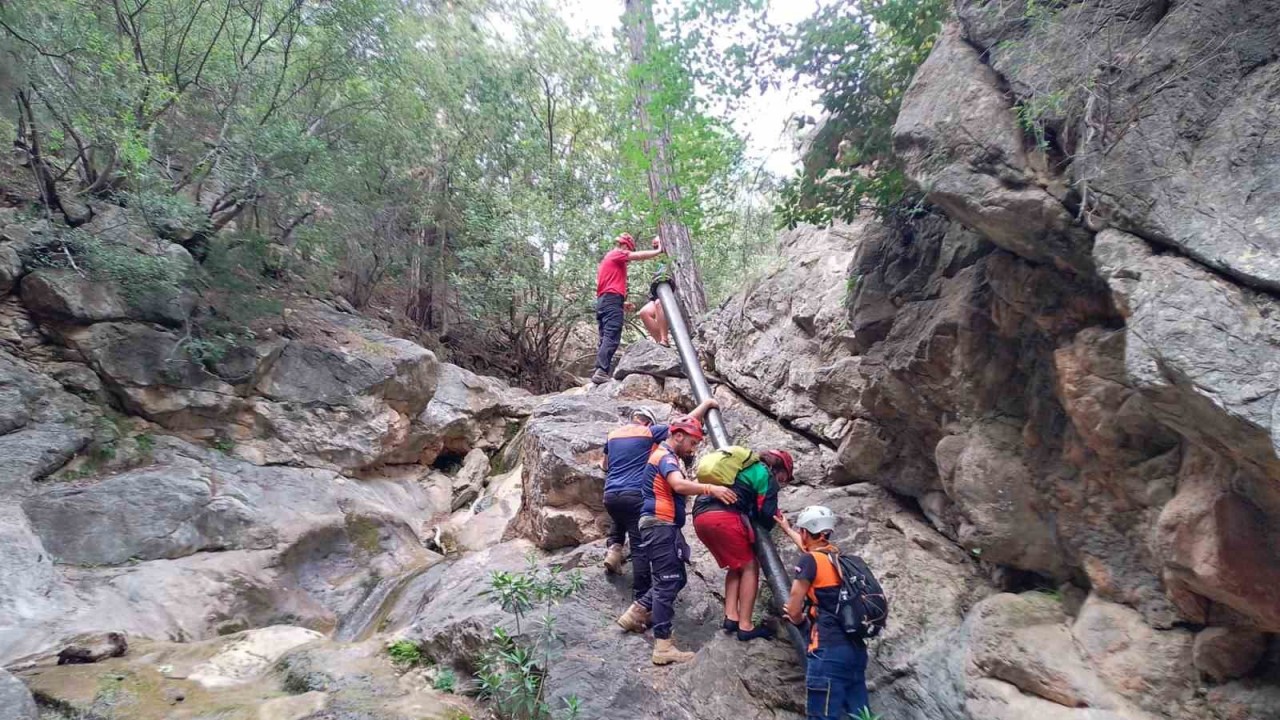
663,190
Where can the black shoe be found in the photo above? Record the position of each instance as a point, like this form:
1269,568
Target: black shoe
763,631
729,626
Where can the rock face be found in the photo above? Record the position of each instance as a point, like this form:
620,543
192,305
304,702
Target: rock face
15,699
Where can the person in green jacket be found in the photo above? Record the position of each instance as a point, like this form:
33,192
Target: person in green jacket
727,532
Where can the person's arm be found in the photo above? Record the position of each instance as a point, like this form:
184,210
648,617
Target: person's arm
683,486
794,609
790,531
638,255
703,408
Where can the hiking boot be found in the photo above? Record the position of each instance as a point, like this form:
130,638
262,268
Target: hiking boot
646,616
613,560
633,620
665,653
600,377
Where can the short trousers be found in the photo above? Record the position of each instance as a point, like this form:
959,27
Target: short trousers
727,536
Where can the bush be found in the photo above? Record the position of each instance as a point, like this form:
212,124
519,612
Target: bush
513,668
405,653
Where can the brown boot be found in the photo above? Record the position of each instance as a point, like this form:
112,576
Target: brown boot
633,619
665,653
613,560
646,616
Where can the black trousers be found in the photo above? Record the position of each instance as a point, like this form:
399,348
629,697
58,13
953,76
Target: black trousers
624,509
609,317
666,550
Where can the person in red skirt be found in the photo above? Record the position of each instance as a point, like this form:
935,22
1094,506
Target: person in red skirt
727,532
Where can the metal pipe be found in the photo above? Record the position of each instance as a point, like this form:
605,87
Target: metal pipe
766,552
689,360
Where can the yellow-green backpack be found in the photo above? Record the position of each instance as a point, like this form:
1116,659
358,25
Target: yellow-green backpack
720,467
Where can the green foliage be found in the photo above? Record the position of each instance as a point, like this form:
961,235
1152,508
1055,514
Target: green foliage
866,714
405,652
1035,113
861,56
513,667
446,680
224,445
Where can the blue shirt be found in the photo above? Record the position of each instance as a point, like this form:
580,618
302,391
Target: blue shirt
628,450
662,505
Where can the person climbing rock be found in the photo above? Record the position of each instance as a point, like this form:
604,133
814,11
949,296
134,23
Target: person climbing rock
626,459
727,531
611,298
661,522
654,317
836,676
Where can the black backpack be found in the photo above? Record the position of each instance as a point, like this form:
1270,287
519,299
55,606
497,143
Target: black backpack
862,607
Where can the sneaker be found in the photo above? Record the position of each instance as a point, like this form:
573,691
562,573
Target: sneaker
763,631
729,626
600,377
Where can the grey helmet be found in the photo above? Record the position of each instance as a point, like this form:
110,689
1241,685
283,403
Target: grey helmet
817,519
645,413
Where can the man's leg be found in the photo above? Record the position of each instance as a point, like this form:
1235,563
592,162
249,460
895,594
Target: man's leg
660,321
641,575
609,319
668,579
731,580
746,598
616,507
648,316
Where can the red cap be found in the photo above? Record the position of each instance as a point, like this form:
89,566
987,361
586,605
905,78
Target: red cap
785,458
688,425
626,239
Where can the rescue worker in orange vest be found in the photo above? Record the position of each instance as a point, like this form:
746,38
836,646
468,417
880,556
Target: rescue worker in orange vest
661,525
836,675
626,458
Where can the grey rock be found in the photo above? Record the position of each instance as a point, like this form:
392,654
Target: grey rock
16,702
153,375
80,380
960,141
1205,352
470,480
34,452
10,269
467,411
1225,653
782,342
563,501
648,358
1175,147
163,512
68,296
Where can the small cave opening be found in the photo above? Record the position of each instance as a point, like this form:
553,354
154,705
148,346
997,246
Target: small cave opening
448,462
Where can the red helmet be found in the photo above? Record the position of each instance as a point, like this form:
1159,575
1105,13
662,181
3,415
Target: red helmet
626,239
688,425
784,458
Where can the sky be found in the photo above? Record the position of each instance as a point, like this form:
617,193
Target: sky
763,119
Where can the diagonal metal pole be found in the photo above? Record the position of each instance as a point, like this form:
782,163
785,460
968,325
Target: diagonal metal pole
775,572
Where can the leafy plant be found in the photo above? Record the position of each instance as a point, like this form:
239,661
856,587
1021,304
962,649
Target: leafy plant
446,680
513,667
405,652
866,714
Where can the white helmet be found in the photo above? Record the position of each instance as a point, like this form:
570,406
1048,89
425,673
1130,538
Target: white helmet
817,519
645,413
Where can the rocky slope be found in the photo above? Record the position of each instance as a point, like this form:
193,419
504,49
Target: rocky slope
1045,413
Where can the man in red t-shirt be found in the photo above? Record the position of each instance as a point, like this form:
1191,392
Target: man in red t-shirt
611,299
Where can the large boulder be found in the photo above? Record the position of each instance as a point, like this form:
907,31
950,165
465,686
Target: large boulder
67,296
783,343
16,702
1165,143
466,412
562,451
10,268
960,140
